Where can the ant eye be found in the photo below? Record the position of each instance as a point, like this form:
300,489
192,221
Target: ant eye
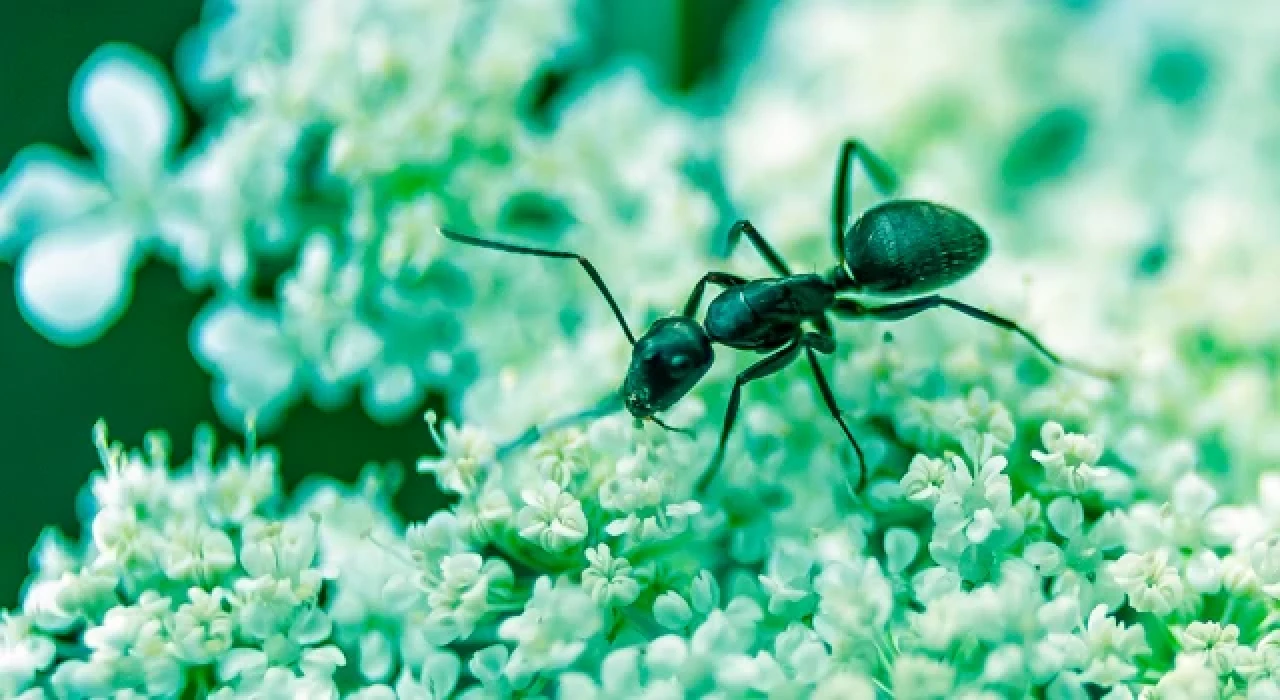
680,363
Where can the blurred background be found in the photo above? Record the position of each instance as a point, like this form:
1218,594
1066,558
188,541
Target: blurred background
141,375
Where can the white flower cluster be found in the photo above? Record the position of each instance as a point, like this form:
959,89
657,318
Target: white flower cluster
341,135
580,568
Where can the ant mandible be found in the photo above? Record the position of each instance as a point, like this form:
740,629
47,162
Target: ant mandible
898,248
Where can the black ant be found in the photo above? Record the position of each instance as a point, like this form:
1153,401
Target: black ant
898,248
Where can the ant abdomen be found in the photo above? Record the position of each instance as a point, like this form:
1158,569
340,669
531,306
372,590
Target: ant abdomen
910,247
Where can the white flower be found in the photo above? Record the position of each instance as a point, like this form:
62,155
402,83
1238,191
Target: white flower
231,494
201,629
1189,679
468,451
608,579
1070,462
974,514
129,650
278,550
1151,583
195,552
552,518
924,478
87,233
24,652
854,602
125,543
788,582
1110,648
1215,644
553,629
435,681
672,611
450,594
918,677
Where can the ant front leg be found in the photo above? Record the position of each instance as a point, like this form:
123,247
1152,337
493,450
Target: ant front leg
724,279
608,405
878,171
770,365
897,311
825,344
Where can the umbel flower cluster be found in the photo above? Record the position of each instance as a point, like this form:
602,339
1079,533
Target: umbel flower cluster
1027,531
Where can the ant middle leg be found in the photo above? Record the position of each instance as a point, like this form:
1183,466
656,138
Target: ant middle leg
744,227
900,310
815,343
882,177
770,365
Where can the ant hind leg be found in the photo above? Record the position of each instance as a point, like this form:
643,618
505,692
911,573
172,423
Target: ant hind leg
882,177
905,309
815,343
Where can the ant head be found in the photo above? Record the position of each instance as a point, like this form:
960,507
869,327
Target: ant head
671,357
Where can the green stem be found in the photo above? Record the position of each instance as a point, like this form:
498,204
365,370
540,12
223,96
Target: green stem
1230,610
886,659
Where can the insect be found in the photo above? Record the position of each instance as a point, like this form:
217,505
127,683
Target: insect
901,248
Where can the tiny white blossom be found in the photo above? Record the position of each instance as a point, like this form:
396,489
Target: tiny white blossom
1071,460
552,518
1151,583
553,629
1214,643
24,652
609,579
924,478
467,452
201,629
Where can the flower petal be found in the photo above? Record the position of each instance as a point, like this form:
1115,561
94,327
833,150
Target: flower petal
45,188
124,108
251,356
392,393
74,283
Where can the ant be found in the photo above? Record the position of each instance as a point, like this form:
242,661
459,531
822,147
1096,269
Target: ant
898,248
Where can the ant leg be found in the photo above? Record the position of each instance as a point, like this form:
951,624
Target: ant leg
766,251
900,310
878,171
769,365
606,406
724,279
544,253
687,432
825,344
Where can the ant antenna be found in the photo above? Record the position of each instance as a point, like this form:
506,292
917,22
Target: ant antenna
546,253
